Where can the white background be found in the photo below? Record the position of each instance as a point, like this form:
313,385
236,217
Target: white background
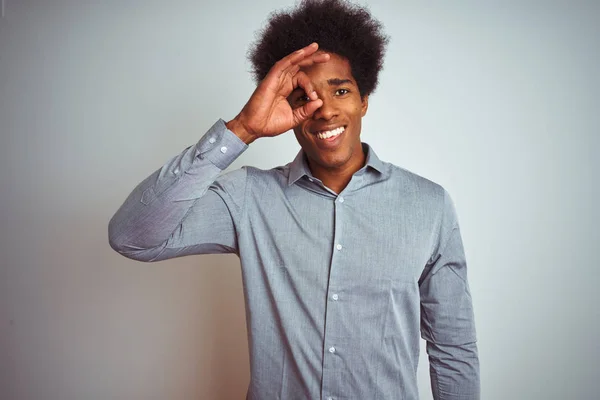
496,101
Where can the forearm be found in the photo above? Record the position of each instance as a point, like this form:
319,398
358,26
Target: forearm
156,207
454,371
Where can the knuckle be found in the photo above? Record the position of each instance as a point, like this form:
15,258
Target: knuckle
290,75
279,64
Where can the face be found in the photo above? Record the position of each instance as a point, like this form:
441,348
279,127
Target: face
331,137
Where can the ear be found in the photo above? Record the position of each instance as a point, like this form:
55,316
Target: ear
365,105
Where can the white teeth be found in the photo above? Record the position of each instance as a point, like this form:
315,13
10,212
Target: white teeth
330,134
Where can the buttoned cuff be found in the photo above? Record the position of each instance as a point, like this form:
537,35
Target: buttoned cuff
220,146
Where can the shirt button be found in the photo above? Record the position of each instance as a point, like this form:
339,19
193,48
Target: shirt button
335,296
339,247
212,140
332,349
330,398
311,179
223,149
341,199
176,171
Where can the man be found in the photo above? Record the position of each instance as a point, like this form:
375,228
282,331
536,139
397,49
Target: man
345,258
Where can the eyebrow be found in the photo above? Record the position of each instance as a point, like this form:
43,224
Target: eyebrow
338,81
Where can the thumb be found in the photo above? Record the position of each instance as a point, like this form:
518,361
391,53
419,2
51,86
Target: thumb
306,111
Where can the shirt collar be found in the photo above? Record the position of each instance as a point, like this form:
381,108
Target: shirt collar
299,167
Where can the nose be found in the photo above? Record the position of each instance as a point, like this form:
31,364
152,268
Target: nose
327,111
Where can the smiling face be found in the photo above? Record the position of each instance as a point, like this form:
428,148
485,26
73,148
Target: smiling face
331,137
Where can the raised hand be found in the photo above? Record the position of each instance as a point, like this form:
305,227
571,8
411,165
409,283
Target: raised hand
268,112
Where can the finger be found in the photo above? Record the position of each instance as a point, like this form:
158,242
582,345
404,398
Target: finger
321,57
316,58
294,58
306,111
302,80
303,53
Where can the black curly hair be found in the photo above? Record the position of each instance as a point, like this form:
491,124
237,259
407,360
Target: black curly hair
338,26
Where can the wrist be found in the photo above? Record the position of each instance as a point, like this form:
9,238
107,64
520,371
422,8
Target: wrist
239,129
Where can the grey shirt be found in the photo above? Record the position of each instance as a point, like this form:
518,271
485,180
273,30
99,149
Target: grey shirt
339,288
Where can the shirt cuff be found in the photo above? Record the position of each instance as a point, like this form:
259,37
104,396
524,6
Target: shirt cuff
220,146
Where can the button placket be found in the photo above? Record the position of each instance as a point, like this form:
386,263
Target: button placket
333,322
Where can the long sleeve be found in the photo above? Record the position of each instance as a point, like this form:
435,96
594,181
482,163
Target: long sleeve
185,207
447,317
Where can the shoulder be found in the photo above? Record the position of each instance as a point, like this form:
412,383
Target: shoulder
277,176
410,182
429,196
255,174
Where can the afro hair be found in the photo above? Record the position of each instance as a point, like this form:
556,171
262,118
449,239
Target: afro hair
337,26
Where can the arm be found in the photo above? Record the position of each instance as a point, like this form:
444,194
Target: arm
181,209
447,318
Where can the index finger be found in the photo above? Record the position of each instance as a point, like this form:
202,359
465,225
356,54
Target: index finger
295,58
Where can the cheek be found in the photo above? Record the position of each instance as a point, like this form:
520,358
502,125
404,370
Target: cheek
355,109
299,130
358,113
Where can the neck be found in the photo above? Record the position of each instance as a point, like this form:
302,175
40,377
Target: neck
337,178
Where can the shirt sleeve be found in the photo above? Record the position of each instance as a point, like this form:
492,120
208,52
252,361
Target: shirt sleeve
447,317
186,206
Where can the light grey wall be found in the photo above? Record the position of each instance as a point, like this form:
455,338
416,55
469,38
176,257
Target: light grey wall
497,102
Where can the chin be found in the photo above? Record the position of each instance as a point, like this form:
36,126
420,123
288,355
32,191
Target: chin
332,161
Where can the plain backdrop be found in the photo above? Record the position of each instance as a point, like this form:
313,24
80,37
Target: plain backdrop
496,101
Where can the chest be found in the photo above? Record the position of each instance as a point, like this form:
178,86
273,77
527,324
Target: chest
357,238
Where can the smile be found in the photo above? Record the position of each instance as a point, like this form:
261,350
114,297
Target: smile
331,134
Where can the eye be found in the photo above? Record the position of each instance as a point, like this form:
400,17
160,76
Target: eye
341,92
303,98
